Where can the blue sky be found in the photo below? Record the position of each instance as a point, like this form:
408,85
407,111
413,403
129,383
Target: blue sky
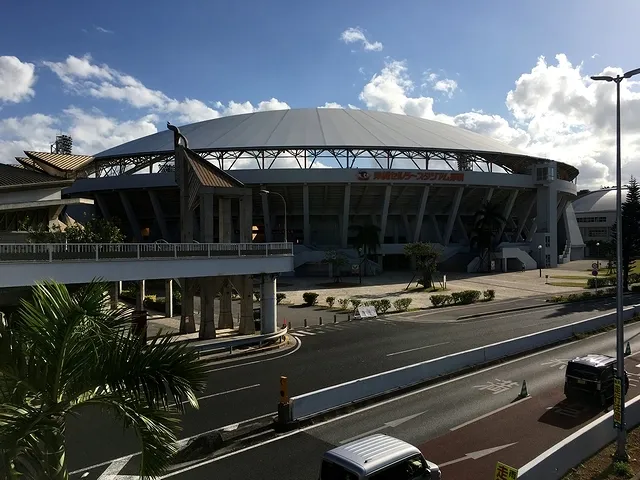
223,51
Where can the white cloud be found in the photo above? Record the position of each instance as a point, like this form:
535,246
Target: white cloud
102,30
16,79
355,34
447,86
83,77
558,113
331,105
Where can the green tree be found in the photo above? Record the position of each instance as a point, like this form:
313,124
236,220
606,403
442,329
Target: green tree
337,261
62,351
487,223
630,230
426,258
367,241
93,230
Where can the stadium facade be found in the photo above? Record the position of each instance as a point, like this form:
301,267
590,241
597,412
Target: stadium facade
415,179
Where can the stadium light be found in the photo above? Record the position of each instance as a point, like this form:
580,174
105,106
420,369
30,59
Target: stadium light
621,448
268,192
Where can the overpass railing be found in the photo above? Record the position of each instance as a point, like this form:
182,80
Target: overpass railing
57,252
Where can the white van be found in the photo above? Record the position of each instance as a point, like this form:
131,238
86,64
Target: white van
377,457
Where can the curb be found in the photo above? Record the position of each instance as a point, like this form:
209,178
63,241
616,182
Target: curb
510,310
250,351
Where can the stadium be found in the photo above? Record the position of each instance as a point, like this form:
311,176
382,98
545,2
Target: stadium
318,176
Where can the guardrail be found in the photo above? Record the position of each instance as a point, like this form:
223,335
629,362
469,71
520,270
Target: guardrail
229,345
310,404
56,252
589,440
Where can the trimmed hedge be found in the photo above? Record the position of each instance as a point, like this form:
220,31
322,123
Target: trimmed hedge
465,297
402,304
310,298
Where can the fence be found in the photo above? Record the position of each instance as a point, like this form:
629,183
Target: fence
55,252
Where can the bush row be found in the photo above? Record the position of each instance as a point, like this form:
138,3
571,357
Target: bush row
610,281
382,306
579,297
464,297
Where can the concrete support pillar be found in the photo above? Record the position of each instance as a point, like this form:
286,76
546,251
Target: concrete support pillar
266,216
453,213
168,298
306,227
268,306
506,213
224,220
160,218
209,287
525,217
562,205
396,233
408,233
187,322
113,296
487,196
436,228
140,295
245,288
420,217
225,320
102,205
547,221
131,216
463,231
246,219
385,212
344,234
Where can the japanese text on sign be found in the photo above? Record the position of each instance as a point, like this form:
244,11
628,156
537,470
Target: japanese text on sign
419,176
617,403
505,472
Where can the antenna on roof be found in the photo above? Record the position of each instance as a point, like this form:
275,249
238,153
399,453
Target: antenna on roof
63,145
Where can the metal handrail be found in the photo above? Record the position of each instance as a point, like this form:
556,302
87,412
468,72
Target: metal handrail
54,252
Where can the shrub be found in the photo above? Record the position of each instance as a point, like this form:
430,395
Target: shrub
257,296
611,291
440,300
177,296
310,298
573,297
280,296
355,303
557,299
383,306
586,296
344,303
330,301
635,288
602,282
622,469
466,297
402,304
489,294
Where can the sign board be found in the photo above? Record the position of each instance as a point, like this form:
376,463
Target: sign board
367,312
355,268
594,273
415,176
594,265
617,404
505,472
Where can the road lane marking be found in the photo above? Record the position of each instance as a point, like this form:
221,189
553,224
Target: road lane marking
391,424
239,389
417,348
488,414
299,344
477,455
113,470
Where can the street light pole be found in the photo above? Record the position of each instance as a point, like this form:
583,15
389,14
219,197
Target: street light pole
268,192
540,259
621,448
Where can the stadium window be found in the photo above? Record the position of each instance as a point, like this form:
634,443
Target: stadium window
597,232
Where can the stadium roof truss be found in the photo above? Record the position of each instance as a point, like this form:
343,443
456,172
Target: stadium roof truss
307,158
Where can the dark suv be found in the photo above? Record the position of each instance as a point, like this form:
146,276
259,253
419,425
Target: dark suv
592,376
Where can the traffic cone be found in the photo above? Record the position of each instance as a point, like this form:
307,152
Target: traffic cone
523,391
627,351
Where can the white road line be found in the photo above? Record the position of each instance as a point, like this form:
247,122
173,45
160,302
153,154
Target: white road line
489,414
307,332
299,344
370,407
417,348
298,334
218,394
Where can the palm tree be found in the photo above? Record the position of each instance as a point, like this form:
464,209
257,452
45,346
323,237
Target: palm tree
62,351
367,240
487,223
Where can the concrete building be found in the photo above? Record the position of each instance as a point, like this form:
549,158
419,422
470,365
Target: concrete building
415,179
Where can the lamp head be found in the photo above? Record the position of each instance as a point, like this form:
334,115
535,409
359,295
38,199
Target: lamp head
602,78
264,192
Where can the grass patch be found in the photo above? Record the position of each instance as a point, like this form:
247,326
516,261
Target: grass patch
568,284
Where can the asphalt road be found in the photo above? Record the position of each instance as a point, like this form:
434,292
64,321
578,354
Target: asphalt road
466,424
331,354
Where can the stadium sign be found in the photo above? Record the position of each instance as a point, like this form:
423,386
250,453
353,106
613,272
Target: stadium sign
411,176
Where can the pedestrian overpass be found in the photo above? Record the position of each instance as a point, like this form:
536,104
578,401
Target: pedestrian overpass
26,264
